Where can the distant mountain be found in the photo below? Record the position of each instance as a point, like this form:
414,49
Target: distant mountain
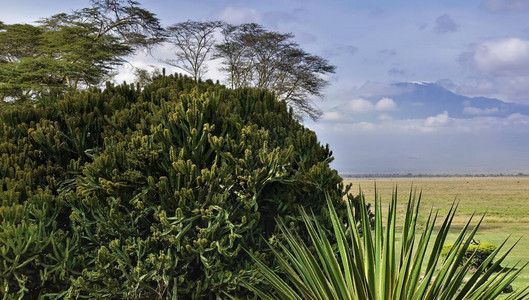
406,130
422,99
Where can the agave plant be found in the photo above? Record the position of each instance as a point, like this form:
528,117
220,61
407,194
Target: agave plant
364,262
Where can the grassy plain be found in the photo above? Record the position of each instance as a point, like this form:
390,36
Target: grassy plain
505,200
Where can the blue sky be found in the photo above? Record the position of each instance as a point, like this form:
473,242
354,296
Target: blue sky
473,48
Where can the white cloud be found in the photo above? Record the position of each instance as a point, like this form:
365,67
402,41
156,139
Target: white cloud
500,70
517,116
508,56
480,111
440,124
360,106
517,121
331,116
439,120
386,104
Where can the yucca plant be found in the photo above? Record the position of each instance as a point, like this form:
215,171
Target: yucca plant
364,262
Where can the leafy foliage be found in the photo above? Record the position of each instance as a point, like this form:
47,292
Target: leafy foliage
152,193
476,253
369,266
124,21
70,51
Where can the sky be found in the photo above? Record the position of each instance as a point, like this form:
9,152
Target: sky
474,48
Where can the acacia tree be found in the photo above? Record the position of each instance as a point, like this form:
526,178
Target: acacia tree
115,21
79,58
67,51
193,42
17,41
252,56
255,57
235,52
59,58
231,53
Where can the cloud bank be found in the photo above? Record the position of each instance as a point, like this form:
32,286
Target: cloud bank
500,67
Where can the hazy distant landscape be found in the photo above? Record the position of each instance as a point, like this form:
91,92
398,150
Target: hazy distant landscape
504,201
424,128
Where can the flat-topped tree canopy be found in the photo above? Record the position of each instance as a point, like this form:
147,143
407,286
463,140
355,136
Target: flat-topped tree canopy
70,51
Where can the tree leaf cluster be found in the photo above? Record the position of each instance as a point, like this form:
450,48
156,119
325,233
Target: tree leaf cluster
477,253
151,193
81,49
69,51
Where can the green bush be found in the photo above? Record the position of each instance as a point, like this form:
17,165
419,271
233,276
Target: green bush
153,193
476,253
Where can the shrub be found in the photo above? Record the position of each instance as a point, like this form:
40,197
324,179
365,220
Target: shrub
476,253
153,193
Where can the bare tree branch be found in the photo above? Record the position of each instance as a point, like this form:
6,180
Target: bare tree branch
255,57
193,42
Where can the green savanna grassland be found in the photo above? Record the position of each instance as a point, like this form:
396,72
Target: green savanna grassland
504,200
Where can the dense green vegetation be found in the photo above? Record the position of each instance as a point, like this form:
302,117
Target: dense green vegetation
128,193
502,199
72,50
367,264
81,49
477,253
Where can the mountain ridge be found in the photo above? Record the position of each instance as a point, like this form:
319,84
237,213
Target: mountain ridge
419,100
